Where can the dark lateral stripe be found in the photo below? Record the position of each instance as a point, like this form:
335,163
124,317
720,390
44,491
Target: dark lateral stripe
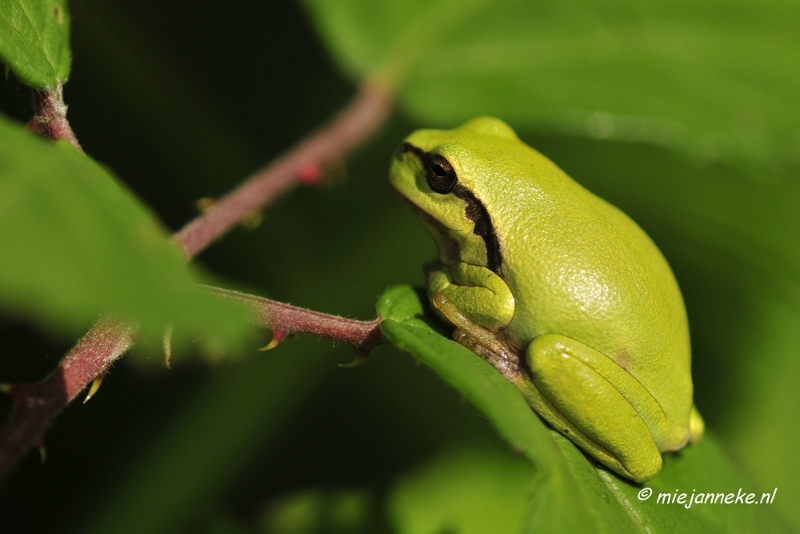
475,212
421,154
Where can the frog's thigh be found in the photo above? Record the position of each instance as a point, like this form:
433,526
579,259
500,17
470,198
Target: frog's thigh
478,293
571,376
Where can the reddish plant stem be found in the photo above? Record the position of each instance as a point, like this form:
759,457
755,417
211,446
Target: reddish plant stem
349,129
50,117
363,336
36,405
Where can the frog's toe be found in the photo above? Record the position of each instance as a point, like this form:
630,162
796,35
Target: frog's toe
696,426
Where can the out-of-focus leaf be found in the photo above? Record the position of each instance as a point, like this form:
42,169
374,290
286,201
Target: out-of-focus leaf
571,493
75,244
34,41
469,491
716,79
316,511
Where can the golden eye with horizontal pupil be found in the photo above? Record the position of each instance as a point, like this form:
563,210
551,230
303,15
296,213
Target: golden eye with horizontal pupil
441,176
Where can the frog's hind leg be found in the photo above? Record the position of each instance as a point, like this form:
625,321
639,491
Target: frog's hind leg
578,391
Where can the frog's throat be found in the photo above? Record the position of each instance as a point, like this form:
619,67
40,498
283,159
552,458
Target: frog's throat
449,247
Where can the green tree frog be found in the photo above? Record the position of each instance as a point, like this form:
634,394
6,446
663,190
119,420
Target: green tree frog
558,289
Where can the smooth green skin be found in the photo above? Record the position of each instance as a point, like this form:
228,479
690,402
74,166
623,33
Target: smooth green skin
581,291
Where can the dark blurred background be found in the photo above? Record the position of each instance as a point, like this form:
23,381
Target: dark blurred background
182,100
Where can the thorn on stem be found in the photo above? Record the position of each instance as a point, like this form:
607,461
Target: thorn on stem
358,360
39,444
96,383
167,343
277,337
205,204
252,219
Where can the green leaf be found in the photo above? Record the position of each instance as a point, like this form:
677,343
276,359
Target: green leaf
717,80
700,469
572,493
314,511
77,244
466,490
34,41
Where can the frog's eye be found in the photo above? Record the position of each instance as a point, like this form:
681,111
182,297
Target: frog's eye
441,176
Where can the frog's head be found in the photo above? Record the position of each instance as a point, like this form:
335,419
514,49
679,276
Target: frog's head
444,175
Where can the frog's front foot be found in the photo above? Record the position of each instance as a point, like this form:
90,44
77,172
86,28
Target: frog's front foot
476,293
482,342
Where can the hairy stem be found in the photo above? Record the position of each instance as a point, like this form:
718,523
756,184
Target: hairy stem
287,320
353,125
50,117
36,405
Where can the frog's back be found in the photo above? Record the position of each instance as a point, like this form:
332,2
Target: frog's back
583,269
